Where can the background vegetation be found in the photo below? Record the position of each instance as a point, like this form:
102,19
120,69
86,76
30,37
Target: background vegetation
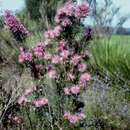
107,100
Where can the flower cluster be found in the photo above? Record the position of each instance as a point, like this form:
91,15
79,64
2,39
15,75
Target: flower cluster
23,100
74,118
72,90
40,102
39,50
25,56
63,62
65,17
82,10
15,25
76,89
65,12
69,10
53,33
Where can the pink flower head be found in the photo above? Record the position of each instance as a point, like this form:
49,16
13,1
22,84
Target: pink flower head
82,67
82,10
81,116
57,19
65,54
56,59
39,50
69,8
40,102
50,34
14,24
70,76
21,58
84,78
28,56
62,45
75,89
67,115
47,56
76,59
67,91
53,33
25,56
22,100
66,22
63,12
28,91
39,67
73,119
57,31
52,73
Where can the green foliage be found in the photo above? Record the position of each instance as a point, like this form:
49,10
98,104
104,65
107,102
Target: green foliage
33,8
34,39
42,8
1,22
107,106
111,56
8,46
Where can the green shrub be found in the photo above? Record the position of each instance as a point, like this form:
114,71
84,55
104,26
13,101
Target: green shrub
112,56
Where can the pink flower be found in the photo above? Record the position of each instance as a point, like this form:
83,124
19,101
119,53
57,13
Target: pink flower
28,56
82,67
69,8
67,91
56,59
82,10
49,34
40,102
39,67
84,78
47,56
73,119
63,12
57,31
14,24
57,19
62,45
52,74
25,56
70,76
81,116
28,91
22,100
66,22
53,33
75,89
67,115
39,50
21,58
76,59
65,54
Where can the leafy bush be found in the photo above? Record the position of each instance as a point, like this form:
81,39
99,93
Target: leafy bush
60,73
